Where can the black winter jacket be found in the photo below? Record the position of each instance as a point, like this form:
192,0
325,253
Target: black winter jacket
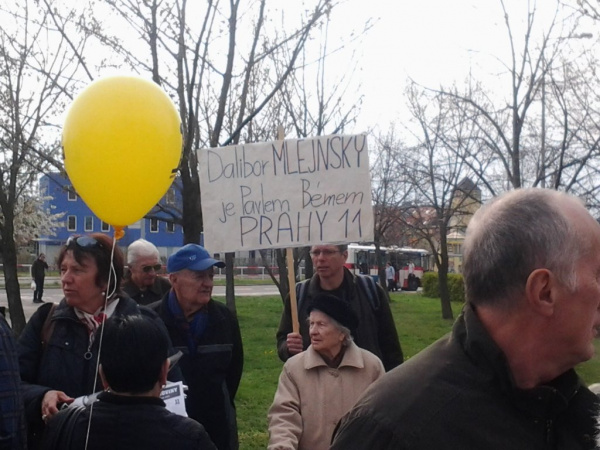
213,373
376,330
126,423
459,394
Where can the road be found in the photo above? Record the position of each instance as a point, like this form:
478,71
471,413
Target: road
55,295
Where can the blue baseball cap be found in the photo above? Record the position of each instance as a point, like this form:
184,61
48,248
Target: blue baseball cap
191,257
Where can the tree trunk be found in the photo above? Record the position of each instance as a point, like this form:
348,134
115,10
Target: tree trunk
444,291
229,282
11,280
191,217
309,269
284,285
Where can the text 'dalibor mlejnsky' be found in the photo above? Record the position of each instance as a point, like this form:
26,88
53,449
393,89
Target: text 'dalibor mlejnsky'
286,193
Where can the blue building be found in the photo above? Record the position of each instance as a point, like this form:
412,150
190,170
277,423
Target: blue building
79,219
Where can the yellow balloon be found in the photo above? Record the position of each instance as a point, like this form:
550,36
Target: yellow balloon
122,146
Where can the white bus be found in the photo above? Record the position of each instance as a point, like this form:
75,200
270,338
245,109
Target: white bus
362,260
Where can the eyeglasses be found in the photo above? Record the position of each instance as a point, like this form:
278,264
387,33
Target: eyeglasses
148,269
327,252
82,241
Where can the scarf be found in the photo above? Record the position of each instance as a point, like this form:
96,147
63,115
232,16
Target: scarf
194,329
93,321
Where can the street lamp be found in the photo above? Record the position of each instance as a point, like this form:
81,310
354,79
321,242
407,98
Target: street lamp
543,137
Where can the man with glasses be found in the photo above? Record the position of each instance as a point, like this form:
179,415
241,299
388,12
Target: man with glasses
376,331
208,335
143,284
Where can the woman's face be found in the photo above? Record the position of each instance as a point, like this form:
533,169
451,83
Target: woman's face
79,283
325,337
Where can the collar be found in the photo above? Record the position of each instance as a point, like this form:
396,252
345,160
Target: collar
116,399
544,401
352,358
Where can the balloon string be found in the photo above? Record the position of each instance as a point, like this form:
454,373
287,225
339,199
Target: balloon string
112,273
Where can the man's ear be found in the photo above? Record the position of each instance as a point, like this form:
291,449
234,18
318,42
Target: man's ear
103,378
164,370
540,289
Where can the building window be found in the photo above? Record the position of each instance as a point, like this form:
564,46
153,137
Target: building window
89,223
71,194
153,225
170,196
72,223
170,227
105,226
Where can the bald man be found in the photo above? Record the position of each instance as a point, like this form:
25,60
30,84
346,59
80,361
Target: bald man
503,378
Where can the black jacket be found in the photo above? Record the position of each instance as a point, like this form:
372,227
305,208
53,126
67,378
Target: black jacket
213,373
64,364
459,394
38,270
153,294
376,330
126,423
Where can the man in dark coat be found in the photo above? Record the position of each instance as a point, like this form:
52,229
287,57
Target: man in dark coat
504,378
143,282
209,336
38,273
12,416
129,413
376,331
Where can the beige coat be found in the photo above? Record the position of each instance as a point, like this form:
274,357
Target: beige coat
311,397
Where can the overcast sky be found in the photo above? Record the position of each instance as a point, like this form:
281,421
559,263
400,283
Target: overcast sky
432,41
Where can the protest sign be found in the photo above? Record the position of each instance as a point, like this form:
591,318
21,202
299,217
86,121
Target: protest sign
286,193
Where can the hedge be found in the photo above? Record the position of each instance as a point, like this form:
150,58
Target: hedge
455,286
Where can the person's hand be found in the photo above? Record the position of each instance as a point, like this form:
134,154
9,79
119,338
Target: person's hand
51,403
294,343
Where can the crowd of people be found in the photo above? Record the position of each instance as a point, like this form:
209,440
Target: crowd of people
503,378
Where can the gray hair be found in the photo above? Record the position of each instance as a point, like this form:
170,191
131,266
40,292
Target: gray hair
513,235
140,249
342,248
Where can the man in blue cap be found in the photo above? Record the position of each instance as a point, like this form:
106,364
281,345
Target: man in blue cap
209,336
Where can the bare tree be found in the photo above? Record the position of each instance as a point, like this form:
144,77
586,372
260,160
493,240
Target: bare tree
390,190
35,73
433,169
521,139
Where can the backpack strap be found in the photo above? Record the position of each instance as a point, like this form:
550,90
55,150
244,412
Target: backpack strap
301,292
48,326
367,285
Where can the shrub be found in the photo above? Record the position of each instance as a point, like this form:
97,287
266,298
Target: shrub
456,287
430,285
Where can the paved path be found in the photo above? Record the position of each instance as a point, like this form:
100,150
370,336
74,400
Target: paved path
55,295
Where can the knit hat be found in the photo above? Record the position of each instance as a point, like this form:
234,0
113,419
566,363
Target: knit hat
335,308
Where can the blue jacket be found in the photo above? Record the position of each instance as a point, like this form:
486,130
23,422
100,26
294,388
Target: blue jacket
212,373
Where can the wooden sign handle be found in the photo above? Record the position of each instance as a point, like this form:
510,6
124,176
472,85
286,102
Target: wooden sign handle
292,282
289,254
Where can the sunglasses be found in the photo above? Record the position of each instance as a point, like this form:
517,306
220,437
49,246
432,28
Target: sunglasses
148,269
82,242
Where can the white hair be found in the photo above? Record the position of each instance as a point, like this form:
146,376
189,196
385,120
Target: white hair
139,249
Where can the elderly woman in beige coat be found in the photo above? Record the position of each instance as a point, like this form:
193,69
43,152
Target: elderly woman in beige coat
318,386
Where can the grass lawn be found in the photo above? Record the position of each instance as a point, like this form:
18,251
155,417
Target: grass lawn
419,323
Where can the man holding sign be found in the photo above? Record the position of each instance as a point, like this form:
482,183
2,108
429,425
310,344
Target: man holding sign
376,331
